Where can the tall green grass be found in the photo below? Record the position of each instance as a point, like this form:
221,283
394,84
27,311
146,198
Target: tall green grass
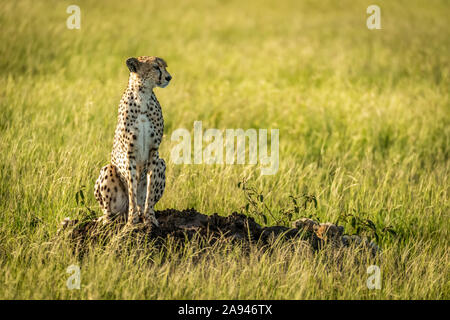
364,126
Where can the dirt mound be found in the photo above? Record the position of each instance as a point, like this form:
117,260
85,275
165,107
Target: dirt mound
186,224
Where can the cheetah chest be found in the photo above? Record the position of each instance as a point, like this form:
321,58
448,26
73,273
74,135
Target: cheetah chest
145,141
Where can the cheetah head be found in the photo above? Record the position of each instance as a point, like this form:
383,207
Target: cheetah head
150,70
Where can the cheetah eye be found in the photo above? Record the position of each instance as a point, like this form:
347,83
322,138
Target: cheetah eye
156,67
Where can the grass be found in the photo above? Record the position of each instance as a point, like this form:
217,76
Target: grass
364,120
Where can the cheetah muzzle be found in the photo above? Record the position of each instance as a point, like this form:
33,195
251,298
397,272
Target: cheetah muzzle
134,181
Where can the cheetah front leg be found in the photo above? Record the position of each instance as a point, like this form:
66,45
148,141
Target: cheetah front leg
156,182
132,181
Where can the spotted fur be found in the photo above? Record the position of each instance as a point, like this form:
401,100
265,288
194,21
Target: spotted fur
134,181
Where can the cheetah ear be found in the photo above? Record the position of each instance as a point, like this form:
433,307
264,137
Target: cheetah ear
132,64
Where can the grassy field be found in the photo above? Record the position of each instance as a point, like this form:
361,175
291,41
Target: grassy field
364,120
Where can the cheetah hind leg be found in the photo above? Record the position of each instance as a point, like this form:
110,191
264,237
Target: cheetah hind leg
111,195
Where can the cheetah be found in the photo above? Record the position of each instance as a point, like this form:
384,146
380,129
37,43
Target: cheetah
134,181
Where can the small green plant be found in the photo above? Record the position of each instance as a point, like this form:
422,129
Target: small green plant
86,212
301,204
255,206
365,226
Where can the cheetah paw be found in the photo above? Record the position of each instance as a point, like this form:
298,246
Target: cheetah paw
150,219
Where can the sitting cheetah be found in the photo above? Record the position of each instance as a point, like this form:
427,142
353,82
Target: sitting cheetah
135,179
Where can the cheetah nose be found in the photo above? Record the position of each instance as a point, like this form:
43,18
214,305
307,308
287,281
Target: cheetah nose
168,78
